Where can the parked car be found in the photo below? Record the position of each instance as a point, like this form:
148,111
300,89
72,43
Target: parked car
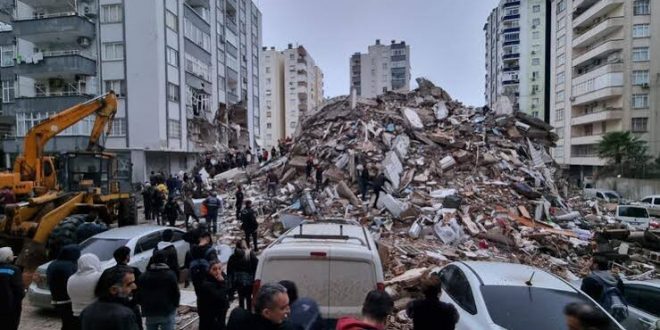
494,295
335,262
140,239
643,299
606,196
652,204
635,217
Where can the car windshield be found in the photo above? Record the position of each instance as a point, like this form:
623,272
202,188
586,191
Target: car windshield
633,212
611,195
102,247
519,307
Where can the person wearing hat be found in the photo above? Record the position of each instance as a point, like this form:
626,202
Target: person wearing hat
11,290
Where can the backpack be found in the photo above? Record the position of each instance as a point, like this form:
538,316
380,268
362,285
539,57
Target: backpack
612,300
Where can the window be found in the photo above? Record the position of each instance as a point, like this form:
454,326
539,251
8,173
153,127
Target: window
147,243
641,31
117,86
535,101
7,54
639,125
8,91
198,68
118,127
640,54
269,114
171,21
113,51
197,101
174,129
561,41
559,96
172,57
560,133
561,23
536,61
536,8
640,77
197,36
561,59
561,6
267,69
588,130
172,92
456,285
269,125
510,37
111,13
641,7
536,35
640,101
643,296
559,114
561,78
536,22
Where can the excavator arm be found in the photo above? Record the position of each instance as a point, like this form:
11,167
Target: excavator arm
30,163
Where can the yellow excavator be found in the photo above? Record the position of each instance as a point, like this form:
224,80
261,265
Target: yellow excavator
57,194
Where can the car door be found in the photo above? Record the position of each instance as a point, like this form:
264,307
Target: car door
144,250
456,290
643,306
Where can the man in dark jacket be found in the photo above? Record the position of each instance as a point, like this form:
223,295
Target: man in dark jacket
159,293
157,203
122,256
11,290
241,268
110,311
363,180
430,313
57,275
239,200
172,211
379,183
375,309
271,310
189,210
167,248
147,200
272,180
213,206
249,224
319,177
309,166
212,299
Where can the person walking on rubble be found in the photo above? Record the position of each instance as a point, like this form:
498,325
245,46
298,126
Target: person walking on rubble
249,224
429,313
265,155
213,206
172,211
363,180
272,180
309,166
239,200
319,177
379,184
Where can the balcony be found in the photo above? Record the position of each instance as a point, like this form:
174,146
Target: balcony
511,4
510,56
600,50
586,139
54,101
198,3
510,17
55,28
598,116
511,68
599,9
302,96
510,82
302,60
57,63
597,72
596,33
588,160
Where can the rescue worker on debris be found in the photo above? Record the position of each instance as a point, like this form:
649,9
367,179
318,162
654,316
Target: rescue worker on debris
379,184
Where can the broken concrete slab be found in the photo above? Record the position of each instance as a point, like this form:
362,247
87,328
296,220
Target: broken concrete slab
447,163
440,110
393,205
412,118
400,145
344,191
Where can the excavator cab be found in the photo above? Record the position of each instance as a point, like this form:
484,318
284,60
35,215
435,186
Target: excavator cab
85,170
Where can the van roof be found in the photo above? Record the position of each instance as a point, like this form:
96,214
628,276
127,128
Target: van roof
349,232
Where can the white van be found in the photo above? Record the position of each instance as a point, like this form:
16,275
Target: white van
635,217
334,262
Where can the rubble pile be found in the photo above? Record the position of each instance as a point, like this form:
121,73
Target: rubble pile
464,183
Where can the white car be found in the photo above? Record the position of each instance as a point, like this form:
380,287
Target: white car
652,204
493,295
140,239
643,298
607,196
635,217
335,262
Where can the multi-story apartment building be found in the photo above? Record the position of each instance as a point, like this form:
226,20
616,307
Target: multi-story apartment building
383,68
606,75
173,64
291,87
516,61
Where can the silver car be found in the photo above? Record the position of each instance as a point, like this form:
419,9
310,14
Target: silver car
140,239
643,299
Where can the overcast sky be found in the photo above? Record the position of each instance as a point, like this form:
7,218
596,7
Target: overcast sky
445,36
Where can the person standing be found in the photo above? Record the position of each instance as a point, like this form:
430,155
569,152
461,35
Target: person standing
241,268
249,224
159,293
239,200
319,177
273,153
271,310
147,200
363,180
122,256
272,180
606,289
375,309
109,312
248,156
260,155
305,312
379,184
57,275
430,313
82,284
167,248
157,203
265,155
12,290
212,298
172,211
309,166
189,210
213,206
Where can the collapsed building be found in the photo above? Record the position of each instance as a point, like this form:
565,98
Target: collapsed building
464,183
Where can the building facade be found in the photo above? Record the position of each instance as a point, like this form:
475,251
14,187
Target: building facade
173,64
606,75
383,68
516,61
292,86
